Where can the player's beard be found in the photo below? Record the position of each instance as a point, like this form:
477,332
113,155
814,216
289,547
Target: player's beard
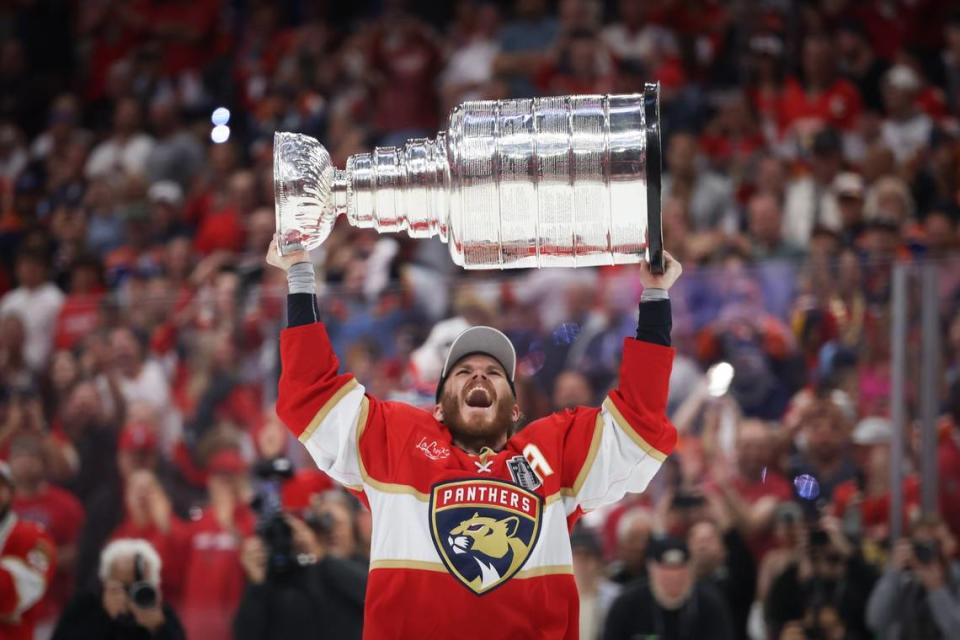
484,429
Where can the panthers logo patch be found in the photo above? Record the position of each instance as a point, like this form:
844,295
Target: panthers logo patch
484,530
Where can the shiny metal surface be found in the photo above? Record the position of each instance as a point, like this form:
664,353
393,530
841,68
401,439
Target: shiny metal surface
565,181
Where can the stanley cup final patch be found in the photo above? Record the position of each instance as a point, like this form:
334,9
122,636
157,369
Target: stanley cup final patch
523,474
484,530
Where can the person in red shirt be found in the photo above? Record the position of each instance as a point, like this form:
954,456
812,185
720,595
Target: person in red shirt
222,228
820,98
754,489
55,509
150,517
80,313
863,504
27,564
214,579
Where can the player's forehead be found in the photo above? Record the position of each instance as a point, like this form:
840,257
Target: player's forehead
477,361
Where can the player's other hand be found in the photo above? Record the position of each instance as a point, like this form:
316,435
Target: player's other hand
274,258
671,271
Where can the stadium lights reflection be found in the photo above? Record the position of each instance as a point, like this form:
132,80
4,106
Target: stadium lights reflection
220,116
220,134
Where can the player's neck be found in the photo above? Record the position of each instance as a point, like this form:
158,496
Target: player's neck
475,445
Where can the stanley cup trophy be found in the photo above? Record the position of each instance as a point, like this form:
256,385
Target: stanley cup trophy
570,181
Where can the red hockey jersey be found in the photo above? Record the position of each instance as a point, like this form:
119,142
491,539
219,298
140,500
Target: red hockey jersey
27,557
474,546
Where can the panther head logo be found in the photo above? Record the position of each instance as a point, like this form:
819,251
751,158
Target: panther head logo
492,544
484,529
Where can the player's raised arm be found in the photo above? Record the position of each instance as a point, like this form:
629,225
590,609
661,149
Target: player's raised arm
320,405
631,436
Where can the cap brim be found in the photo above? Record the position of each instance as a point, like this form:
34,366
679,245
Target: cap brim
486,340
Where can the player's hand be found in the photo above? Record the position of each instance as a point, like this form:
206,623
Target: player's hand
274,259
671,271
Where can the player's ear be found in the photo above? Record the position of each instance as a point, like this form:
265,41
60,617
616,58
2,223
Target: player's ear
515,413
438,412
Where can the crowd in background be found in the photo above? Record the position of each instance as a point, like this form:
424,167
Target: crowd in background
809,146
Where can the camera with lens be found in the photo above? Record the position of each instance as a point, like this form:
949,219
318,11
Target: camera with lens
272,526
142,593
926,551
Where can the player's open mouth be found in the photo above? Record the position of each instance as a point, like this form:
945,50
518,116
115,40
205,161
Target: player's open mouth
479,397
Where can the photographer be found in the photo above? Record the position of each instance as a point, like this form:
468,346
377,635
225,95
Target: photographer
312,595
918,595
129,605
826,569
670,603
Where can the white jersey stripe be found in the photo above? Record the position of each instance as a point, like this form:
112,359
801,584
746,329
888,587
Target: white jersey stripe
401,532
624,463
331,438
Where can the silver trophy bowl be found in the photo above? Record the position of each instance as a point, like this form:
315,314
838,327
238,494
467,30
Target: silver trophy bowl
569,181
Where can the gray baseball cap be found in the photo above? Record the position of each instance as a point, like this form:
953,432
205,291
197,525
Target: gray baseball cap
485,340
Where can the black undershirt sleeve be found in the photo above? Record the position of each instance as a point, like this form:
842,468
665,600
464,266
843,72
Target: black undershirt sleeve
655,322
302,309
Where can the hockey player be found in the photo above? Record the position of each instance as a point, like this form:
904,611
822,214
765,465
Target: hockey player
471,520
27,556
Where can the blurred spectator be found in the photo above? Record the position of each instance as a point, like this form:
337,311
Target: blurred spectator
142,380
129,602
13,154
470,68
320,596
583,66
634,38
149,515
889,202
818,98
221,225
524,41
906,129
125,152
764,229
176,155
16,372
810,200
405,57
63,129
863,504
671,604
918,595
756,488
596,591
213,583
860,64
571,389
825,432
849,190
59,513
37,301
951,61
720,557
827,570
708,196
80,313
633,532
